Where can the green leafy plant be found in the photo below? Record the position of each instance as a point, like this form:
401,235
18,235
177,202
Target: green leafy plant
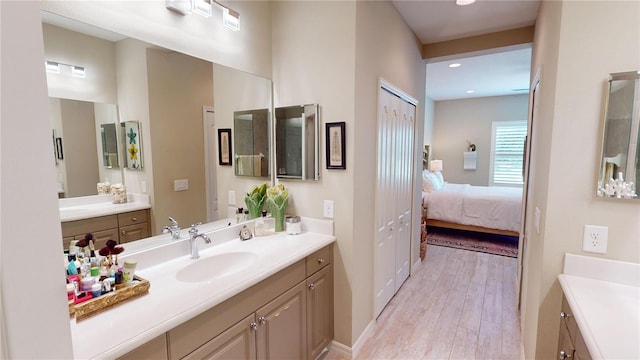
255,200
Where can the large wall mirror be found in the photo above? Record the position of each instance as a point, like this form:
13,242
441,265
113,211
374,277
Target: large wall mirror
619,171
251,142
297,142
176,101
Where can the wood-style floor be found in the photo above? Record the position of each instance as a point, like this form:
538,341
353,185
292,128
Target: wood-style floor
458,305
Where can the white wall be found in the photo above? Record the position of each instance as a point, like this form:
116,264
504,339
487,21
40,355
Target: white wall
567,149
36,318
429,114
457,121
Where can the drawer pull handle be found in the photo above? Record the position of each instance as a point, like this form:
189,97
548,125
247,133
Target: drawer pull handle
564,355
134,219
312,286
263,320
124,232
253,326
320,261
564,315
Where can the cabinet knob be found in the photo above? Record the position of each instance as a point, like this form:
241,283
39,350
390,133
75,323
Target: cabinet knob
263,320
564,315
253,326
320,261
564,355
312,286
134,219
123,232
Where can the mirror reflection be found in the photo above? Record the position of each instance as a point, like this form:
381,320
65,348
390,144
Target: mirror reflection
251,142
109,137
169,97
297,142
620,164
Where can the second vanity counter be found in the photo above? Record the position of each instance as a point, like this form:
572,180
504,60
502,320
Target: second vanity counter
172,300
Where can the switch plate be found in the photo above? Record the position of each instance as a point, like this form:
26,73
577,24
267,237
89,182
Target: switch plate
231,197
327,209
595,239
143,187
181,185
536,220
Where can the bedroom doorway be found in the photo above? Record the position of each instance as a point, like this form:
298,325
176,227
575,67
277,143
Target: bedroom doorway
394,192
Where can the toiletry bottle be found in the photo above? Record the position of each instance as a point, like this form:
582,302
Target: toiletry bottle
239,215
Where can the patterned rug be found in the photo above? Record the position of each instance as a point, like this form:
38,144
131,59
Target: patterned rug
474,241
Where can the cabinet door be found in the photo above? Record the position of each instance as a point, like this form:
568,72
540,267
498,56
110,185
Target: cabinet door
282,326
133,232
155,349
319,311
238,342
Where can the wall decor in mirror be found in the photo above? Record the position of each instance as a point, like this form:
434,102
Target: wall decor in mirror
297,142
132,144
619,171
251,142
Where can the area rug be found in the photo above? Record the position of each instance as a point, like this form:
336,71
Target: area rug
474,241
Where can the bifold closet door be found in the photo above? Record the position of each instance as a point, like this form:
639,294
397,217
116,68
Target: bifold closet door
393,196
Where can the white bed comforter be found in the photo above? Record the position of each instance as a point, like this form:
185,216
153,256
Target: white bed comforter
492,207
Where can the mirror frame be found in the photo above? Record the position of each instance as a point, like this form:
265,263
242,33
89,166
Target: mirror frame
611,185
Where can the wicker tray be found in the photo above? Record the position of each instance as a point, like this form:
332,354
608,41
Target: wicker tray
99,304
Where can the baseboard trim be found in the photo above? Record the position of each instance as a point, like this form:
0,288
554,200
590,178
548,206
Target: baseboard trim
341,349
357,345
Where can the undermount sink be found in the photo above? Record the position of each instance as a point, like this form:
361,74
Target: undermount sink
215,266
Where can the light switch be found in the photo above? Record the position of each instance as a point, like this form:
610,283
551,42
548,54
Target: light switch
327,209
231,200
181,185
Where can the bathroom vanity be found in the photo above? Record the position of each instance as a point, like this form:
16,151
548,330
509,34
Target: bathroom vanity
600,313
268,297
98,215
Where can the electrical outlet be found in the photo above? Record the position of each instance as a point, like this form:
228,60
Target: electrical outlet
181,185
327,209
595,239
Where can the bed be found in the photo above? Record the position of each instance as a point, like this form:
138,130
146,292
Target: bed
489,209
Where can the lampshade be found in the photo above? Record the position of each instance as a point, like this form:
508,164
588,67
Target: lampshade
435,165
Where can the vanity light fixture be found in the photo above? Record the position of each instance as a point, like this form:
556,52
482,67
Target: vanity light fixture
182,7
470,91
78,71
202,7
464,2
230,18
52,67
454,65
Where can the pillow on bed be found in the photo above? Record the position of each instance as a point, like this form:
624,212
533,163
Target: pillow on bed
432,181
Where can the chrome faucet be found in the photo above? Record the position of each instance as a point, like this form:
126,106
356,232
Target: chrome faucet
174,229
193,235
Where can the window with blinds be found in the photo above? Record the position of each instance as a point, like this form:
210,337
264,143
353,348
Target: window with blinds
507,153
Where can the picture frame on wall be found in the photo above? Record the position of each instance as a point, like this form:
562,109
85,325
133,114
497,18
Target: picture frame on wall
59,151
224,147
335,145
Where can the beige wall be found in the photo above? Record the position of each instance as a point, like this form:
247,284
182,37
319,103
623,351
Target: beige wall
429,114
567,142
179,86
457,121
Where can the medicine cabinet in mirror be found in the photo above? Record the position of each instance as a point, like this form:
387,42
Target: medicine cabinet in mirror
109,136
297,142
251,142
619,171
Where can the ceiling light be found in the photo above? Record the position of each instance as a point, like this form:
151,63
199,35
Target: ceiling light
231,19
470,91
464,2
78,71
182,7
52,67
454,65
202,7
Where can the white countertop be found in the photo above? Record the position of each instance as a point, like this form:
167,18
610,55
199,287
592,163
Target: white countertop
86,207
170,302
604,297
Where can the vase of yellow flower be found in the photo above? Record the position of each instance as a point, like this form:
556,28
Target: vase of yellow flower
255,200
277,201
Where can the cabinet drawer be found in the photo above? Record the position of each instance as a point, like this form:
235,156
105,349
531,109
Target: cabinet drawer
133,232
318,259
132,218
73,228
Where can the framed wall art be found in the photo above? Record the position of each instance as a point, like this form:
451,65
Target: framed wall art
335,145
224,147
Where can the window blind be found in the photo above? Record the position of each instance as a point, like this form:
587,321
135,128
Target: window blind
507,152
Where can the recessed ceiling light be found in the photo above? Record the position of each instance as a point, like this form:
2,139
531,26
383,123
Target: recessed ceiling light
470,91
464,2
454,65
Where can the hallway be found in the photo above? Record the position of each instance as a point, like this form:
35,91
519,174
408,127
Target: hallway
458,305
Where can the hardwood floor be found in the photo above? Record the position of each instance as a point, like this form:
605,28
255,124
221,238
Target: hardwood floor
458,305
